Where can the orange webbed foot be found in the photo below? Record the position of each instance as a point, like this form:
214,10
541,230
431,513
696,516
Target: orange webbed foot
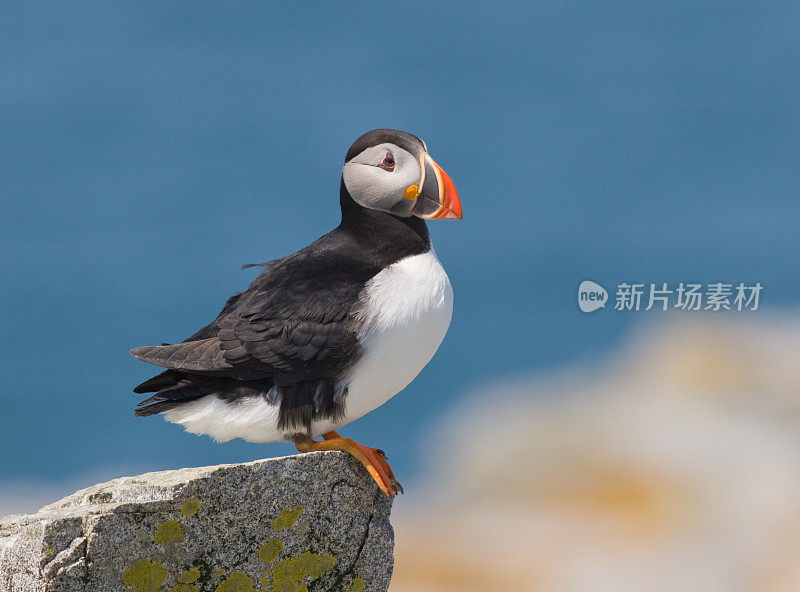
373,459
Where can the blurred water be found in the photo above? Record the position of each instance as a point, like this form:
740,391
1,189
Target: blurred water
147,151
669,465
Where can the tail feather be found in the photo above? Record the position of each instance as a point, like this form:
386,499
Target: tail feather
190,387
166,379
156,407
185,389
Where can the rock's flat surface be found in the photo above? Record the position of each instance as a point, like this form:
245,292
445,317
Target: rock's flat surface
313,522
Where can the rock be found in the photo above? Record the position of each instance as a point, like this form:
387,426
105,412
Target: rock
311,522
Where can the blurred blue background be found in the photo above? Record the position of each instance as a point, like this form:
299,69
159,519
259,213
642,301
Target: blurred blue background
148,150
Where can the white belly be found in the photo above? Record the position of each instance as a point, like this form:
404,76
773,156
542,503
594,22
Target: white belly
406,313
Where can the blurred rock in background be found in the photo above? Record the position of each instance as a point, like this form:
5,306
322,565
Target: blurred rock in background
673,466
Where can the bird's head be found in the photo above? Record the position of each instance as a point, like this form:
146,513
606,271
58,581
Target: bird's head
391,171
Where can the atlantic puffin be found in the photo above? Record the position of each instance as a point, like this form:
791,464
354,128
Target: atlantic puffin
329,333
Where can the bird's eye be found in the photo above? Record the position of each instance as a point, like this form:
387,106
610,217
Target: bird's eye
387,163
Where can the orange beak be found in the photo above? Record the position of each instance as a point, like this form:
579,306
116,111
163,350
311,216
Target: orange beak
437,197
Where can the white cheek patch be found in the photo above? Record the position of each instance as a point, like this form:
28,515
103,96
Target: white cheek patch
374,187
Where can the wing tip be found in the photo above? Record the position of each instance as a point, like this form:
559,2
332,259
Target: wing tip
140,353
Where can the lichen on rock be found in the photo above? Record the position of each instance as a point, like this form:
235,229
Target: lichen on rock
269,551
145,576
287,518
190,507
169,531
150,535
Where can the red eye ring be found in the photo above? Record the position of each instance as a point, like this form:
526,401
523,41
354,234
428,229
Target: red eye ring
387,163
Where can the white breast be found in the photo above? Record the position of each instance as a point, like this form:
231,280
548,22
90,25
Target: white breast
406,310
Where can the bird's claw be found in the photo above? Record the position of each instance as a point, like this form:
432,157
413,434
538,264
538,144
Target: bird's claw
396,484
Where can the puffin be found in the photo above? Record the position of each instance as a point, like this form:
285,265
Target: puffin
325,335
